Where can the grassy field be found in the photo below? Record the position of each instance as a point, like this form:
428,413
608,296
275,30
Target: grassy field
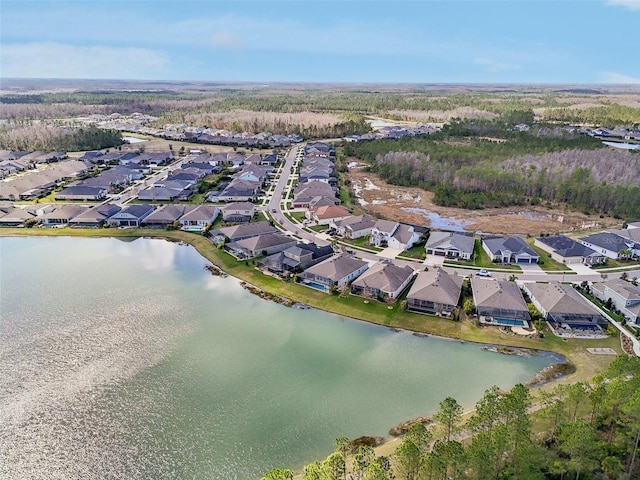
392,316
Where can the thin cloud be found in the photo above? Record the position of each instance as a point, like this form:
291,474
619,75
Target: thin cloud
630,4
613,77
48,60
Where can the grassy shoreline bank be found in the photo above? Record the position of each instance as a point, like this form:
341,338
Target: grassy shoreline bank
391,316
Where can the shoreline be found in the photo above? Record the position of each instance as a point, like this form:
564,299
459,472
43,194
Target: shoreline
570,367
422,325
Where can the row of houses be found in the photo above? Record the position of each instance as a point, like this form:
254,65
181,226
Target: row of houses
193,218
38,182
317,179
127,157
12,162
393,132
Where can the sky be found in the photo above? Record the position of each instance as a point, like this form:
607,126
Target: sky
374,41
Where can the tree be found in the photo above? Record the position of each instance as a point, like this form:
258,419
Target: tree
578,441
278,474
449,416
333,467
313,471
362,460
407,460
468,306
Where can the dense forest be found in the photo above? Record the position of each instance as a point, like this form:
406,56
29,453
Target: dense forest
482,164
51,138
579,431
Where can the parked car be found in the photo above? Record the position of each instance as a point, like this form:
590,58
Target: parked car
483,273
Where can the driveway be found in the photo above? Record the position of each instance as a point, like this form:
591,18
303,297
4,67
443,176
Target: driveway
434,260
581,269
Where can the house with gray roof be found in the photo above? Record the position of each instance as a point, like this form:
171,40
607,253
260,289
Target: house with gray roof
384,281
308,195
16,217
450,244
435,292
82,192
238,212
242,231
624,295
163,216
561,305
295,259
240,191
611,245
336,271
567,251
499,302
197,217
509,249
131,216
382,231
262,245
354,226
404,237
159,194
61,215
95,216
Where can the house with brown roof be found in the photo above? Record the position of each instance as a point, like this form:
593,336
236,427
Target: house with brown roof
242,231
499,302
435,292
336,272
61,215
95,216
324,215
384,281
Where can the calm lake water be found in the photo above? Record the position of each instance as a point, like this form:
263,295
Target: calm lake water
125,359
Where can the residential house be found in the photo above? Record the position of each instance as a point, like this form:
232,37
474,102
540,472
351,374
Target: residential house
82,192
238,212
611,245
624,295
16,217
499,302
435,292
562,306
336,272
314,194
159,194
295,259
450,244
242,231
163,216
61,215
325,215
240,191
382,231
131,216
404,237
509,249
384,281
95,216
354,226
197,217
261,245
567,251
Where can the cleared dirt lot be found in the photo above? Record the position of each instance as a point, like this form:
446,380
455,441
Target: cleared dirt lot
414,205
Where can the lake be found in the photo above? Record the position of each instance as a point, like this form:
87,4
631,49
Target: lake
126,359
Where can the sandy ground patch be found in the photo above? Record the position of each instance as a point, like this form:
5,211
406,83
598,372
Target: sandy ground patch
414,205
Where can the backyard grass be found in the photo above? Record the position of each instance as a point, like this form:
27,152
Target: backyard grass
350,306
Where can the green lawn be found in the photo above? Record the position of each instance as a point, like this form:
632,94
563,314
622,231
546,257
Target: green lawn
611,263
416,252
481,260
547,263
319,228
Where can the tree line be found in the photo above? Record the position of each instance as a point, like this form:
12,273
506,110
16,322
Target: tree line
53,138
584,430
484,164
